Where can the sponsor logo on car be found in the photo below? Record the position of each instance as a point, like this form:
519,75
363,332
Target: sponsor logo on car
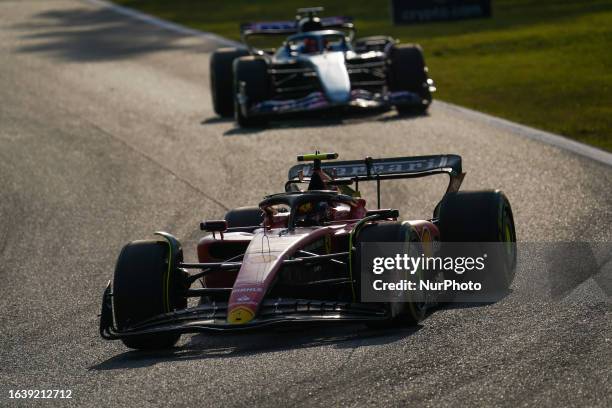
248,289
240,315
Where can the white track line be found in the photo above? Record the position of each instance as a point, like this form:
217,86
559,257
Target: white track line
561,142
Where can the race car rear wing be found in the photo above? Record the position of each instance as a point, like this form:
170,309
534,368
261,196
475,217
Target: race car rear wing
368,169
291,26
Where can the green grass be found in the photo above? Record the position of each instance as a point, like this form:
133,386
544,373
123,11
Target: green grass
544,63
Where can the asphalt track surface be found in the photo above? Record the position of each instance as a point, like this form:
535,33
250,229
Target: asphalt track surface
107,133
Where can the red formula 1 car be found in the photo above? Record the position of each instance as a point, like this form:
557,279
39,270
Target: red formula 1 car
295,257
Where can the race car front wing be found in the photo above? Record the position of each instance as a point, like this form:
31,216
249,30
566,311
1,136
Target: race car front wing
360,98
213,316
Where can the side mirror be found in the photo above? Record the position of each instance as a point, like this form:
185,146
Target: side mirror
214,226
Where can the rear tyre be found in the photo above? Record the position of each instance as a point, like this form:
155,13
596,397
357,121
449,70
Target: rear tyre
252,80
483,216
401,313
140,291
409,73
222,79
244,217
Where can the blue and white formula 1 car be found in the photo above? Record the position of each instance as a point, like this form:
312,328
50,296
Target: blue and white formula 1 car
319,66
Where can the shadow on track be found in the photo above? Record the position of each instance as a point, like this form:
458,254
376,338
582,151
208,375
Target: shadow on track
90,35
215,120
231,345
308,120
572,263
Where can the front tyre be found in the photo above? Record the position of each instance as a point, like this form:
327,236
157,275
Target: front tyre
145,286
408,72
252,83
400,313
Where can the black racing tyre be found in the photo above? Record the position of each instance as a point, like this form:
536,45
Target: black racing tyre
483,217
139,291
222,79
408,72
252,73
244,217
404,313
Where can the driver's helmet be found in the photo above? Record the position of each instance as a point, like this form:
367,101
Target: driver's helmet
311,45
310,24
312,214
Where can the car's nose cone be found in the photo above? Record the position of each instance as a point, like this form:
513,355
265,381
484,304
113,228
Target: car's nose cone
333,76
